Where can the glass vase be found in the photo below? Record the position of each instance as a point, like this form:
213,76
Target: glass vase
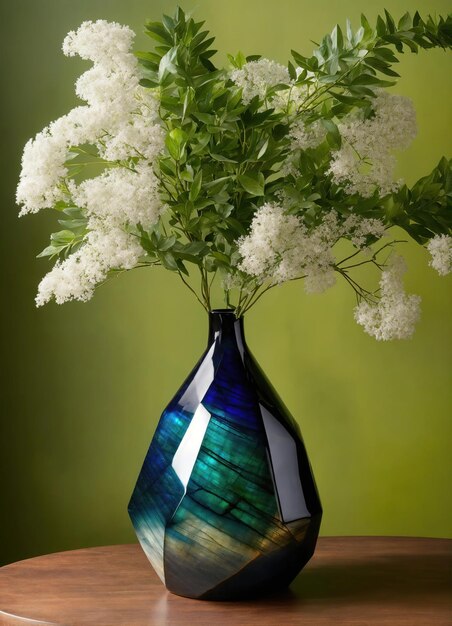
225,506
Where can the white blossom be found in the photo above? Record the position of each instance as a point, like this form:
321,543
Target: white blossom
42,169
103,42
271,238
280,247
289,100
394,316
305,136
101,87
76,277
113,200
440,248
121,117
359,229
235,280
140,135
365,161
257,77
120,196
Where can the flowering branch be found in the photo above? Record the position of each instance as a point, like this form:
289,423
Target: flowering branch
246,176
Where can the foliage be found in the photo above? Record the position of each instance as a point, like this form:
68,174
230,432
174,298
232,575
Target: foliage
226,156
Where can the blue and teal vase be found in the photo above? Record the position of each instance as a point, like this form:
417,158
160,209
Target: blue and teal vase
226,506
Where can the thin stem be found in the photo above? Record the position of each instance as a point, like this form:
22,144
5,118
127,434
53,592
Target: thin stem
239,299
205,288
372,260
255,299
347,258
212,279
193,291
375,254
359,291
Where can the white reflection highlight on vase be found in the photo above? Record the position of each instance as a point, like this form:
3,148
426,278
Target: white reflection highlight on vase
188,450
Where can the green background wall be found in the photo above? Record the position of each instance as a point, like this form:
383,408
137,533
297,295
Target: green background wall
83,384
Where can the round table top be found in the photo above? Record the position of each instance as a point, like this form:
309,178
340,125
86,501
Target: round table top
351,580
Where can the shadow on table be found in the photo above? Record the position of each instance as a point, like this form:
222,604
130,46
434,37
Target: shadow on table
399,579
390,577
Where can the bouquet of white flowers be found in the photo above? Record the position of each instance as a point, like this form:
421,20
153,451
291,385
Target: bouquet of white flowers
249,175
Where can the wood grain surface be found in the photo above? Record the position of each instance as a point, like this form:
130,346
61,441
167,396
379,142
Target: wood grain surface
350,581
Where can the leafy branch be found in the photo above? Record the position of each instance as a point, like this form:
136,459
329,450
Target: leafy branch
349,66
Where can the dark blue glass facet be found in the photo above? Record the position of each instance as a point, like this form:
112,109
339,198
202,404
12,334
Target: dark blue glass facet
225,505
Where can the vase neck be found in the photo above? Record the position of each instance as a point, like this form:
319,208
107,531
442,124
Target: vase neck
225,326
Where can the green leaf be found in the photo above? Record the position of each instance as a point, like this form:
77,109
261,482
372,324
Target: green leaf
381,66
337,38
167,65
263,149
157,31
202,141
220,258
175,142
390,22
168,261
369,79
73,211
62,237
195,188
220,157
381,26
251,185
333,136
166,243
149,84
181,267
292,71
405,22
71,225
217,182
386,54
173,147
50,251
168,23
196,248
187,174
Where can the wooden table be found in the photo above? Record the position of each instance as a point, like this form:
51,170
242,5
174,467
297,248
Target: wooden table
351,580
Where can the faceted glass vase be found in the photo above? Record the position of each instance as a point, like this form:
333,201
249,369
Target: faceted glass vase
225,506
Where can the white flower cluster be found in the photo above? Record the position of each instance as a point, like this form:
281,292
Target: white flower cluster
302,136
365,161
109,94
101,42
289,100
234,280
257,77
305,136
279,247
359,229
76,277
396,313
121,119
440,248
119,196
140,136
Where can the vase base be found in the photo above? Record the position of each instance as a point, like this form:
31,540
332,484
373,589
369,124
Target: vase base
267,574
